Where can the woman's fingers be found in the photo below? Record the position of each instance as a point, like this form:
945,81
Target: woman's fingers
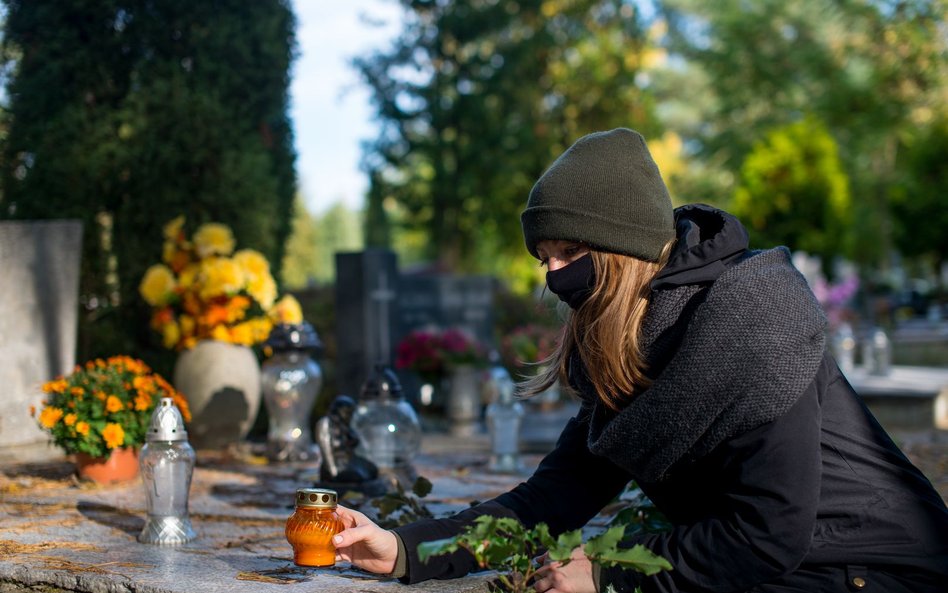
351,518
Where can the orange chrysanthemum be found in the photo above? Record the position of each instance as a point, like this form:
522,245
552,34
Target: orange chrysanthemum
113,404
114,435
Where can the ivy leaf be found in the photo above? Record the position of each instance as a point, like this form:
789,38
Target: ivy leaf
565,544
422,487
638,557
542,532
436,548
604,542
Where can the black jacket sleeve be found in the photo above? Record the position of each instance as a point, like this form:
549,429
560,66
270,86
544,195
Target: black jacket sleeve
570,486
767,513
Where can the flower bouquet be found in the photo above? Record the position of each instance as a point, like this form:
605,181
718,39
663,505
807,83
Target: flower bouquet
204,290
432,353
104,405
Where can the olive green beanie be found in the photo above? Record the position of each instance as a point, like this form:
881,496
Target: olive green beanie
604,191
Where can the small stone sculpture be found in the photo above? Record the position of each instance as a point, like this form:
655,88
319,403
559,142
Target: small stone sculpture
342,467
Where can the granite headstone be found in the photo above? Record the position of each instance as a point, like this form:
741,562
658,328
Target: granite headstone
38,318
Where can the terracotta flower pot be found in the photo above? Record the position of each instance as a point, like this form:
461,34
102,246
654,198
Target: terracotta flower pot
121,466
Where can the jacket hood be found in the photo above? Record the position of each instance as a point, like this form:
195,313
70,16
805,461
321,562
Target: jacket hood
709,240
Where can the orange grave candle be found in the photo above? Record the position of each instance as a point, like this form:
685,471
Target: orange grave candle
311,526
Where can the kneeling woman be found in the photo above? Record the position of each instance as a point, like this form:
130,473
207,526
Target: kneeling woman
704,377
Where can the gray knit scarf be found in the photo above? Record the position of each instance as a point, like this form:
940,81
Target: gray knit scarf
740,359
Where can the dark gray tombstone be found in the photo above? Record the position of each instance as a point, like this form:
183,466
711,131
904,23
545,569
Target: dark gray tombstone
366,284
433,301
442,301
39,309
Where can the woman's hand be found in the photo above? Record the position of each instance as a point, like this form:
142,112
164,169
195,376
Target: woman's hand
573,577
365,544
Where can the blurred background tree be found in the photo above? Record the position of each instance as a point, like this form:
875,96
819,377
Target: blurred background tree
792,190
874,73
127,113
474,100
795,113
820,122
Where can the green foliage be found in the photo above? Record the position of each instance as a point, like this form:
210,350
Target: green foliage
475,100
401,507
505,545
793,191
314,241
126,113
871,72
637,513
920,197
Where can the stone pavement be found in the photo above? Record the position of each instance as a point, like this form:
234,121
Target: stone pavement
58,534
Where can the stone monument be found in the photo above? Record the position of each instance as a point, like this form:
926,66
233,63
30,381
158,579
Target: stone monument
39,308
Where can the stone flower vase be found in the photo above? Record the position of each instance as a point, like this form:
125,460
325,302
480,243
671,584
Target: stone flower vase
221,382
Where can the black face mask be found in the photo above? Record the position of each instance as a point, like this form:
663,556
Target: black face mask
573,283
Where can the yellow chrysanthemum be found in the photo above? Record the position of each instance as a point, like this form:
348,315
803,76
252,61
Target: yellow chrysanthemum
188,274
82,428
173,228
263,290
261,328
157,286
220,333
113,404
221,277
287,310
170,334
186,325
252,262
242,333
50,416
176,254
69,419
114,435
213,239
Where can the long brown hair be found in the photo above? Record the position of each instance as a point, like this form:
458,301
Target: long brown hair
605,330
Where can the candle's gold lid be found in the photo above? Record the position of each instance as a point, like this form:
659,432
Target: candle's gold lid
316,498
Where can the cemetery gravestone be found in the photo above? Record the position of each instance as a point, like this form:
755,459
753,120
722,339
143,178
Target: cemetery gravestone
38,318
365,297
442,301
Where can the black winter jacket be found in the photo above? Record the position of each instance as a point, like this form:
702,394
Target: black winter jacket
818,499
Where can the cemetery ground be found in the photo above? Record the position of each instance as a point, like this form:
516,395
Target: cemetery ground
59,534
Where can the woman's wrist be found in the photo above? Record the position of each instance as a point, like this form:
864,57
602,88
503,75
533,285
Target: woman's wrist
401,559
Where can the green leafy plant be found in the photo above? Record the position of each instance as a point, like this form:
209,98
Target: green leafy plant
505,545
637,513
401,507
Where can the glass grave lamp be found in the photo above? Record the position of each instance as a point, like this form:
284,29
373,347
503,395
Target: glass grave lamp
291,380
387,425
504,417
877,352
167,462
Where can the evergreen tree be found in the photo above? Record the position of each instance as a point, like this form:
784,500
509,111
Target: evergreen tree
127,113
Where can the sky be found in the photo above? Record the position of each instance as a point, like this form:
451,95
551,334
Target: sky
329,104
